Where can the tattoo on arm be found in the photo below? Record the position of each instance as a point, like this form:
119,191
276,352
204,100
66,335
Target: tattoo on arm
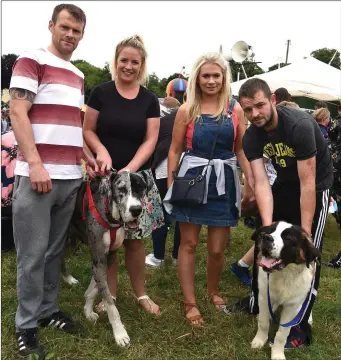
22,94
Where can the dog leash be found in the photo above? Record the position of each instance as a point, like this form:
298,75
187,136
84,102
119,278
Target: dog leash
113,228
297,319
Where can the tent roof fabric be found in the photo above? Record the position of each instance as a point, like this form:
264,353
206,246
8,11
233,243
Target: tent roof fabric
307,77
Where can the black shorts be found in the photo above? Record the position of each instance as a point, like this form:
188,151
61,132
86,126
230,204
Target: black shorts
287,208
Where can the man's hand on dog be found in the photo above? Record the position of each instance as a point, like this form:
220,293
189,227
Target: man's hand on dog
40,178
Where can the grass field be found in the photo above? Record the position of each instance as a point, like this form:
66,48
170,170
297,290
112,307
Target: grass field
169,337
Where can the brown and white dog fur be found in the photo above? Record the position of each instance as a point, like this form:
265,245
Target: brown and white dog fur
287,253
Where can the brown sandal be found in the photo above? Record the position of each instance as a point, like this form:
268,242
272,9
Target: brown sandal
191,319
216,302
220,305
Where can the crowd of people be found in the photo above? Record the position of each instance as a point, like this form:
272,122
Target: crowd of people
5,119
290,163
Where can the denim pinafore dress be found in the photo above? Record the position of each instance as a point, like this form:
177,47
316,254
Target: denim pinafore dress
220,210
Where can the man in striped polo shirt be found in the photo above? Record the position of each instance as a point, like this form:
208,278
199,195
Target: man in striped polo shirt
47,92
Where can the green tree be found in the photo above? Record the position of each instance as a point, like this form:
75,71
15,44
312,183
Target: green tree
7,62
92,75
325,55
251,69
154,85
275,67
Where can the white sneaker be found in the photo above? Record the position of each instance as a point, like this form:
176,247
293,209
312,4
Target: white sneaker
175,262
152,261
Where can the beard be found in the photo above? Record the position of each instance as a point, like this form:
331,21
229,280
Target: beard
65,50
268,120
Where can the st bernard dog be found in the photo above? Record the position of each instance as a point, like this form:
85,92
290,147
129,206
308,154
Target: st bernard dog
286,255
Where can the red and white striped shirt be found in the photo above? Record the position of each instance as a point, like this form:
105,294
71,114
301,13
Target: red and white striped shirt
55,114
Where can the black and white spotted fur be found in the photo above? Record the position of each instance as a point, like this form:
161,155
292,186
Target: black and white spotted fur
287,253
125,193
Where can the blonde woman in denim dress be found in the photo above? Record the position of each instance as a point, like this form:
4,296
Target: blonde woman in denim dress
197,123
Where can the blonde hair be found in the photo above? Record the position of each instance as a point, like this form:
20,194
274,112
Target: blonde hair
321,115
193,91
288,104
137,43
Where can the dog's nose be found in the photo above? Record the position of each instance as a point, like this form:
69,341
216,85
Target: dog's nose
135,210
268,238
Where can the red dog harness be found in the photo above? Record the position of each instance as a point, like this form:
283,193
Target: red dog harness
112,227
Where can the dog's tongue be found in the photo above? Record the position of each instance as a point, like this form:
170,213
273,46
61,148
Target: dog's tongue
268,262
132,224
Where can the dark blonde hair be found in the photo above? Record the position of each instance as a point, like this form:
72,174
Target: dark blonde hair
290,104
137,43
321,114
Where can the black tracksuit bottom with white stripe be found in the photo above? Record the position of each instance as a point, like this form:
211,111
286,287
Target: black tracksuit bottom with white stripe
287,208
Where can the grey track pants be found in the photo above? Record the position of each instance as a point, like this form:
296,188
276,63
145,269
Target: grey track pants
40,224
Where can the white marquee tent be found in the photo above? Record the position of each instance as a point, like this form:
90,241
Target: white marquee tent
308,77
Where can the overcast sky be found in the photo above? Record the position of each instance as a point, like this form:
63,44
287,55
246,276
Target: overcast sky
176,33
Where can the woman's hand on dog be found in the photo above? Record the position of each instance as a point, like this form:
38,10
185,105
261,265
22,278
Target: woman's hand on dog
104,161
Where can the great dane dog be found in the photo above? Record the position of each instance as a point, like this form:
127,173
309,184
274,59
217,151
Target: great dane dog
101,223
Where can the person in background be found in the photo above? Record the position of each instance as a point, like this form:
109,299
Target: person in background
334,134
5,121
210,113
322,117
320,105
121,127
169,109
282,94
288,104
46,93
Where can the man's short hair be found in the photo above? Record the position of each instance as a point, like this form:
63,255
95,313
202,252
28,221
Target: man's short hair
320,104
74,10
252,86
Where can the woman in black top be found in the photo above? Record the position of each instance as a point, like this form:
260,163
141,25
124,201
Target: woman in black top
121,127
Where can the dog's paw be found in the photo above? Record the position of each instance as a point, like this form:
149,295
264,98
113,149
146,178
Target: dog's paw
69,279
258,342
277,355
121,336
92,316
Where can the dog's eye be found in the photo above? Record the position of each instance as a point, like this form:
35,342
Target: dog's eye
122,189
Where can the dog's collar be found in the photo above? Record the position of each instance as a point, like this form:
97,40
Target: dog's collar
97,215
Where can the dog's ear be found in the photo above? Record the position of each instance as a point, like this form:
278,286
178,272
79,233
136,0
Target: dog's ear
148,180
308,252
105,186
95,185
112,174
262,229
